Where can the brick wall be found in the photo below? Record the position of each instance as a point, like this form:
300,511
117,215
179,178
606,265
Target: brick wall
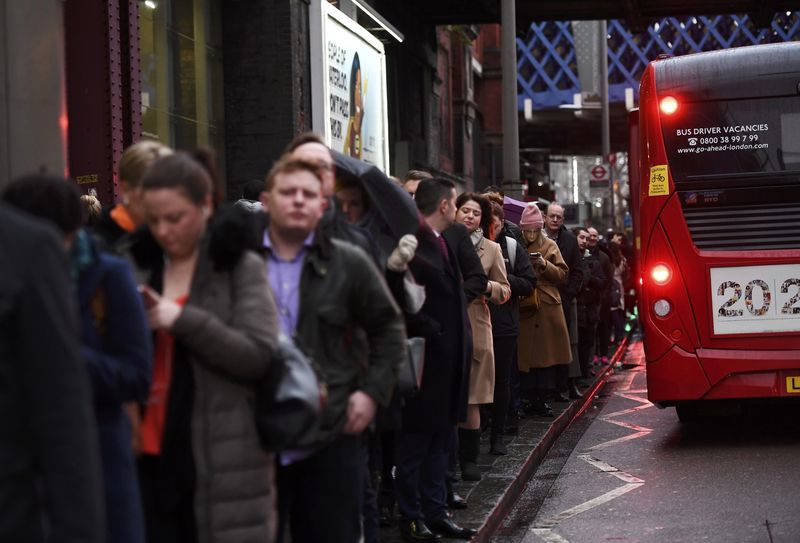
267,85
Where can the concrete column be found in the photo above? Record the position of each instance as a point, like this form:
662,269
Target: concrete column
348,8
33,116
511,183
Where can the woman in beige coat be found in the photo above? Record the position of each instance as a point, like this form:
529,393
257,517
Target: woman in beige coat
475,212
543,339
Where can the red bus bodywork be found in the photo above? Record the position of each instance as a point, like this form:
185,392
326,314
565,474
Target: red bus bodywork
634,175
686,360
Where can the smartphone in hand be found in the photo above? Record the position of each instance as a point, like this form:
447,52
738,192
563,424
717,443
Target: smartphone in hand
535,255
149,296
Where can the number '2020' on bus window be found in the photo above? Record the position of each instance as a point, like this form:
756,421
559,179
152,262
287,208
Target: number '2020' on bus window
734,137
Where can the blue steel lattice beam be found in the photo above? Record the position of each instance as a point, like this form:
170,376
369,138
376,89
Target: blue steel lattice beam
547,68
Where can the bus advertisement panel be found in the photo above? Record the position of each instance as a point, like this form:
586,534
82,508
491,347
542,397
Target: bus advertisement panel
719,213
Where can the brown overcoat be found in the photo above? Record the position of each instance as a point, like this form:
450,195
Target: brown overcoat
543,335
481,377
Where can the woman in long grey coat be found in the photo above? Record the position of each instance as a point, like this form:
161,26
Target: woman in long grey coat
204,476
543,337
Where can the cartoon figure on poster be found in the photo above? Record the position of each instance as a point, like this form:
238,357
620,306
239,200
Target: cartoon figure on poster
353,141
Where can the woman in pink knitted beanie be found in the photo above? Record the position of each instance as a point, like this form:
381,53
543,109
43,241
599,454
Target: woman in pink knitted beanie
543,340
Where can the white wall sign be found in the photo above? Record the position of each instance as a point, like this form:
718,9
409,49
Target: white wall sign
348,86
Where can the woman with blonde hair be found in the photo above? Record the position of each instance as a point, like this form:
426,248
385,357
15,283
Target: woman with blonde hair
124,217
543,338
475,212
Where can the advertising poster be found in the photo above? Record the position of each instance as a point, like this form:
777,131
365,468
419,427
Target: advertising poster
348,86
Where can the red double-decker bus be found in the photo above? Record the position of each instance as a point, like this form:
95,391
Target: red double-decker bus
720,225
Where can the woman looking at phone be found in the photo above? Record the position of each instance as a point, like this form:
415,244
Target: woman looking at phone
475,212
202,471
543,339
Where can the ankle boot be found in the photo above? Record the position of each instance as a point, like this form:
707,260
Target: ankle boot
496,445
574,392
468,446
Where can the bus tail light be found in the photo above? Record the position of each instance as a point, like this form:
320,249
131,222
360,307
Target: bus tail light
668,105
662,307
661,274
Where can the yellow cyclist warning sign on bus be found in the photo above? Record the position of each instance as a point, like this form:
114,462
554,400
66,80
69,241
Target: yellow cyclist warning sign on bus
659,181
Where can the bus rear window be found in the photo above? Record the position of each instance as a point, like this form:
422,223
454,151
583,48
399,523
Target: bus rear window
707,140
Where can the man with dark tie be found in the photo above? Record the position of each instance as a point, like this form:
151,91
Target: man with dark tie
430,417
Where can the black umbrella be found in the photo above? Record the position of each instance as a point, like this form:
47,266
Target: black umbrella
393,213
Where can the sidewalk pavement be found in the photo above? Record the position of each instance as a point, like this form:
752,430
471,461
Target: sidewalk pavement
505,477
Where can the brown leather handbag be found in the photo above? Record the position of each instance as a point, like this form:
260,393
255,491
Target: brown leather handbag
530,303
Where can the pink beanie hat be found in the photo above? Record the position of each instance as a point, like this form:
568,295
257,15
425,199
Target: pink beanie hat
531,218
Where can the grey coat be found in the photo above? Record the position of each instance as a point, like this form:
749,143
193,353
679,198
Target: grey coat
229,327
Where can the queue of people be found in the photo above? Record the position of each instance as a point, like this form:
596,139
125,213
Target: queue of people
164,316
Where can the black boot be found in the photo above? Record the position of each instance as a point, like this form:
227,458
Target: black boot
539,406
512,424
496,445
469,442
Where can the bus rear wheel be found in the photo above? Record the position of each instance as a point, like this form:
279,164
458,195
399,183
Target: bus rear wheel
688,412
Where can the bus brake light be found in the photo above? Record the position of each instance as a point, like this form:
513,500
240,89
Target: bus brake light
669,105
661,274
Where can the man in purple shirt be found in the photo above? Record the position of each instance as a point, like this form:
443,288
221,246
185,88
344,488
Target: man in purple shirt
284,279
335,303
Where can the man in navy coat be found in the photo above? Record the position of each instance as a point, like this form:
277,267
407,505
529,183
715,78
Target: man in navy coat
429,417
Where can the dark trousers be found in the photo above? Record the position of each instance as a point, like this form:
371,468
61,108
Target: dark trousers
586,340
369,504
505,349
452,462
420,476
514,393
603,331
561,373
388,445
173,524
538,383
319,498
618,321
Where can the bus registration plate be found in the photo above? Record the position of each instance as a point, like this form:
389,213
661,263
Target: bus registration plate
756,299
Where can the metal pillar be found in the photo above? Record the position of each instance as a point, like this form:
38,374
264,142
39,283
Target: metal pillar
604,117
32,90
103,98
511,184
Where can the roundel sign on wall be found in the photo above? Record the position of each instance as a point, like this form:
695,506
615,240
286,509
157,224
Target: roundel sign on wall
598,176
